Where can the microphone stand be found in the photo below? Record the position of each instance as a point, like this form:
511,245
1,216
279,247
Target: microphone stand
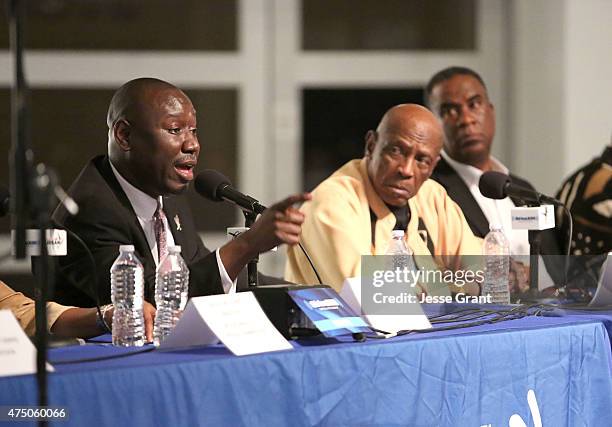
249,219
20,155
23,190
534,237
42,199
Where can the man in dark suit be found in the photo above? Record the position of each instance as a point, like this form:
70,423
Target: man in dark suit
132,196
459,99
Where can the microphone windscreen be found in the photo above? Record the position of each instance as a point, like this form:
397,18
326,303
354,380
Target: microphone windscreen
493,185
4,200
208,182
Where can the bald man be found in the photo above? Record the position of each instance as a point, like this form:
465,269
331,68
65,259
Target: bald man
133,196
353,212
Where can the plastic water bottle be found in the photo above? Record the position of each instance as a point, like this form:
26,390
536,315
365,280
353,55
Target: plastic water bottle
496,251
402,254
171,288
127,294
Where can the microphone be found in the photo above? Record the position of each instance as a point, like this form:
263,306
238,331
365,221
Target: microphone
4,201
217,187
68,202
496,185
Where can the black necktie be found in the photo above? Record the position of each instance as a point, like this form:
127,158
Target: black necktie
402,216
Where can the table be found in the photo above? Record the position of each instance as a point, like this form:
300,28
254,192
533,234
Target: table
475,376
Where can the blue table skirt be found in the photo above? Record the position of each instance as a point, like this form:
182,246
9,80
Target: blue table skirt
474,376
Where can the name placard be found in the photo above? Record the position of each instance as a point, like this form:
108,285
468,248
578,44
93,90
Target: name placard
236,320
17,353
56,242
533,218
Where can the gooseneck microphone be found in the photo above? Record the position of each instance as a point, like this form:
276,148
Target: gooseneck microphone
496,185
217,187
65,199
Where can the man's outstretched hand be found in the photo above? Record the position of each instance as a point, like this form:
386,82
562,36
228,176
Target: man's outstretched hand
280,223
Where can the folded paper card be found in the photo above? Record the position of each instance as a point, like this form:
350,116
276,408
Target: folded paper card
236,320
17,354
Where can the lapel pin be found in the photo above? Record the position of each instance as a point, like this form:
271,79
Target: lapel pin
177,221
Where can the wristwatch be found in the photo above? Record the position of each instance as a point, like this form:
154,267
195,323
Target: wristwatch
100,315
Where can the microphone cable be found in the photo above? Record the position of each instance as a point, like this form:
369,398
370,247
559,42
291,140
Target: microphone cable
94,276
569,244
466,314
501,316
311,263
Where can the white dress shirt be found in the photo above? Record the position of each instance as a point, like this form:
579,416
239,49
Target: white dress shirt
145,206
498,211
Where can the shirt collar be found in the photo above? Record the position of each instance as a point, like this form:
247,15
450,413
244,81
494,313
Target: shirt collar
470,174
143,204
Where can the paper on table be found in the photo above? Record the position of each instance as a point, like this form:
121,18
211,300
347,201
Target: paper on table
237,320
191,330
351,294
17,354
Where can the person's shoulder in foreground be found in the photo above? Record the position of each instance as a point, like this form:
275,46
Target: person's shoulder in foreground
587,193
63,321
354,211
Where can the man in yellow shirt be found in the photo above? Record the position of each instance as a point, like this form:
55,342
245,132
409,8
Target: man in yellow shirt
353,212
64,321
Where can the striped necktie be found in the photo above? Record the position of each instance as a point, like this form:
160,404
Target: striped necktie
159,226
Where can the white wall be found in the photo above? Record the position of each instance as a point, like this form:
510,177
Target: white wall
561,80
588,83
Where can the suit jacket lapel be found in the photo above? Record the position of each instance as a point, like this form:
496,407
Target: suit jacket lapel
181,228
174,221
460,193
141,245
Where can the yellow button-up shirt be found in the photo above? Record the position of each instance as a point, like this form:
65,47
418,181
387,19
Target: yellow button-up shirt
23,309
338,230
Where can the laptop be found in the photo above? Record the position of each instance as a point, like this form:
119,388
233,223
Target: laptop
603,294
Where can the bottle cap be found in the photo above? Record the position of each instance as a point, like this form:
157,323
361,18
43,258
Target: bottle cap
126,248
397,233
176,249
